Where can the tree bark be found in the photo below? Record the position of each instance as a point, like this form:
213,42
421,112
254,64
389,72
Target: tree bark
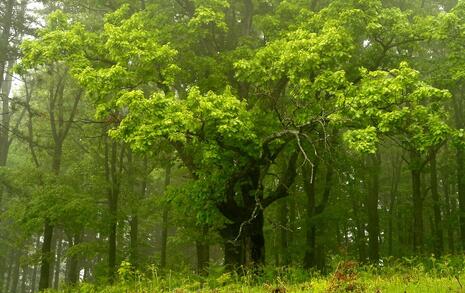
46,257
112,174
56,277
283,260
460,165
6,286
4,41
396,172
374,168
134,217
15,277
233,246
314,256
417,202
24,277
73,263
438,233
203,252
447,214
164,227
6,114
257,239
34,272
309,174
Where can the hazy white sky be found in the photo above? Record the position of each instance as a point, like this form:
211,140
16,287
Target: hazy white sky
33,7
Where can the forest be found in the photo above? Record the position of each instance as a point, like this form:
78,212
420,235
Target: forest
232,146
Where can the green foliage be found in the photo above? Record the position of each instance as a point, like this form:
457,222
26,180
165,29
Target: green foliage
397,104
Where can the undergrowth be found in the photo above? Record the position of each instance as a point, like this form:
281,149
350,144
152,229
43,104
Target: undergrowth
390,275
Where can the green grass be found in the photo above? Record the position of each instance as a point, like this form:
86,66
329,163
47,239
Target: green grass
404,275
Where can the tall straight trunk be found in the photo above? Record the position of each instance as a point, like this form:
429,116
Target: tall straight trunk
374,162
34,278
59,249
134,218
309,177
164,227
314,253
113,193
24,277
6,115
134,241
15,276
2,272
447,214
417,201
112,241
359,229
34,271
292,224
4,38
283,260
46,257
396,170
138,195
203,252
417,211
5,120
460,162
6,286
73,263
460,165
438,233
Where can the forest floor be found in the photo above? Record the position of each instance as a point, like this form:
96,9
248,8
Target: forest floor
422,276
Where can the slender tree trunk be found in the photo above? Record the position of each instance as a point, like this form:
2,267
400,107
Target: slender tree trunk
283,260
417,202
438,235
392,201
24,277
372,207
314,253
134,241
34,271
72,274
460,165
9,273
112,241
5,35
134,220
447,214
5,120
58,262
292,225
113,194
460,161
164,227
359,229
46,257
15,277
203,253
396,177
309,176
2,272
6,115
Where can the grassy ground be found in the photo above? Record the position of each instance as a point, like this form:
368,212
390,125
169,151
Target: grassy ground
422,276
